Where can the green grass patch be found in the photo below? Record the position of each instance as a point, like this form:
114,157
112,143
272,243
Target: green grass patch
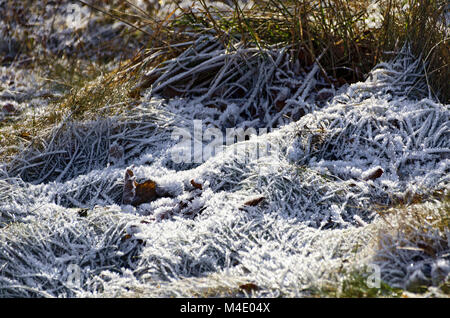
355,285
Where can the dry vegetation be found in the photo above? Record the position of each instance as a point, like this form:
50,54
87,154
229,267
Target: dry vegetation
340,36
346,39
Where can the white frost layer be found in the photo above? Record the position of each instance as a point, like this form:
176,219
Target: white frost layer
314,223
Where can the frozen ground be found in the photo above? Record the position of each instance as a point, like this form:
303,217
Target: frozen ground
292,221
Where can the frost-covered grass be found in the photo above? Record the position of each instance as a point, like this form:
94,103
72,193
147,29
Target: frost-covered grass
357,176
418,235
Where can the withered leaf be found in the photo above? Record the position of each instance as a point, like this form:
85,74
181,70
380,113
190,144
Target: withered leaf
9,108
196,185
135,193
145,192
374,175
254,202
129,187
249,287
126,237
25,135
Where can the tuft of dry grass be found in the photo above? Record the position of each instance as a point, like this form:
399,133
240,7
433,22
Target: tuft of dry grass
105,96
417,235
349,37
422,24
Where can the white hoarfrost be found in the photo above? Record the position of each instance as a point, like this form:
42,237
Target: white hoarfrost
291,220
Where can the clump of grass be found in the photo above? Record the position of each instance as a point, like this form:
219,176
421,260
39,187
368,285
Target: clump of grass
414,248
421,23
350,37
87,99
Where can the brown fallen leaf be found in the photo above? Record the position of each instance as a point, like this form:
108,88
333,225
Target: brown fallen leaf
374,174
126,237
254,202
25,135
145,192
196,185
249,287
9,108
137,193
